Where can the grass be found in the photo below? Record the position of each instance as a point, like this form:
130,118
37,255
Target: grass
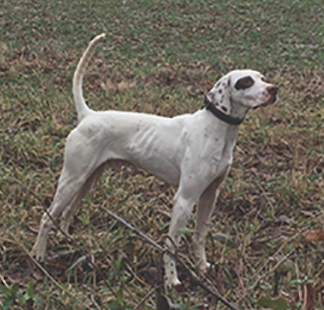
161,57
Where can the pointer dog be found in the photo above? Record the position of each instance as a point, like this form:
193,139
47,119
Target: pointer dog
190,151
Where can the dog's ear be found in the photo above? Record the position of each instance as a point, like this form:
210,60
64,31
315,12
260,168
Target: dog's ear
220,94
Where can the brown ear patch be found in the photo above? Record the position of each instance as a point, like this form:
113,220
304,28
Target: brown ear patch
244,83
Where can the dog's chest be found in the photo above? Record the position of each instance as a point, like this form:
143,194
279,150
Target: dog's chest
220,150
224,157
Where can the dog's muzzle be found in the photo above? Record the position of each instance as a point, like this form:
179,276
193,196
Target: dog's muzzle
273,92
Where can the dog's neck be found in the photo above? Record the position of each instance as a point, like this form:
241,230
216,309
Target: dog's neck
227,118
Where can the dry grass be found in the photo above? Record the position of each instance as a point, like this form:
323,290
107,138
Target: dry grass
162,61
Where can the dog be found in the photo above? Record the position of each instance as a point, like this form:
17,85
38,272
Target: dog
190,151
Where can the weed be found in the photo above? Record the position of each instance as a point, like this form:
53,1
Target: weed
13,295
161,57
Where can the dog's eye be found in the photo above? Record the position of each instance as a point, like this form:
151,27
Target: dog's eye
244,83
262,78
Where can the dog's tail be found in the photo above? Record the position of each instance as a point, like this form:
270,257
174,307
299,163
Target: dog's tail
81,106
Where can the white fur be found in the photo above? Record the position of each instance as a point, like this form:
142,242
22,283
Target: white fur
190,151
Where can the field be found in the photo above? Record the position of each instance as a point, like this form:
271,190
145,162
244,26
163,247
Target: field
266,236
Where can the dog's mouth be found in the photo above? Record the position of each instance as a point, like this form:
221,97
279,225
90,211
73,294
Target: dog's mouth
273,98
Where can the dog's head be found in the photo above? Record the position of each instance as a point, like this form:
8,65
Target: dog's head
240,90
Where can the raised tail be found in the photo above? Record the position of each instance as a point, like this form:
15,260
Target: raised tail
81,106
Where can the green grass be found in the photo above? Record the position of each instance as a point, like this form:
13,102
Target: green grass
161,57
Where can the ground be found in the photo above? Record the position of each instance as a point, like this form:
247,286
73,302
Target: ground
266,236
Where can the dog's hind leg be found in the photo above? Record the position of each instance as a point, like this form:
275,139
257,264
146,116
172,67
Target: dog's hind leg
79,172
68,189
70,209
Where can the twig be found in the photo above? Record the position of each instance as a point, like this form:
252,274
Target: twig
3,281
142,235
42,204
94,302
265,195
206,287
279,262
145,298
274,268
47,274
85,253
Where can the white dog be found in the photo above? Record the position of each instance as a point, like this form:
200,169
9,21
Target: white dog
190,151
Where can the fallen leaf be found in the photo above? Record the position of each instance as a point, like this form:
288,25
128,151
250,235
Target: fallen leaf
285,267
308,296
275,304
57,264
314,235
283,219
109,86
21,278
306,213
33,226
124,85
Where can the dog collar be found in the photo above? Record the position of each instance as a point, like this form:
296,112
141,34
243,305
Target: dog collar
222,116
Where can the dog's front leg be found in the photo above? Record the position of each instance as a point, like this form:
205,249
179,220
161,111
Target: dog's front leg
180,215
207,202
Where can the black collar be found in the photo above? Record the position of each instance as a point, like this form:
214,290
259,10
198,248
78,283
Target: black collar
222,116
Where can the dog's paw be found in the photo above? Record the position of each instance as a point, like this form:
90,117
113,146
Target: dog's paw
204,267
38,252
34,253
173,283
62,235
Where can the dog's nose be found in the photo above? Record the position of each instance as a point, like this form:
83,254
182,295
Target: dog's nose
272,90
